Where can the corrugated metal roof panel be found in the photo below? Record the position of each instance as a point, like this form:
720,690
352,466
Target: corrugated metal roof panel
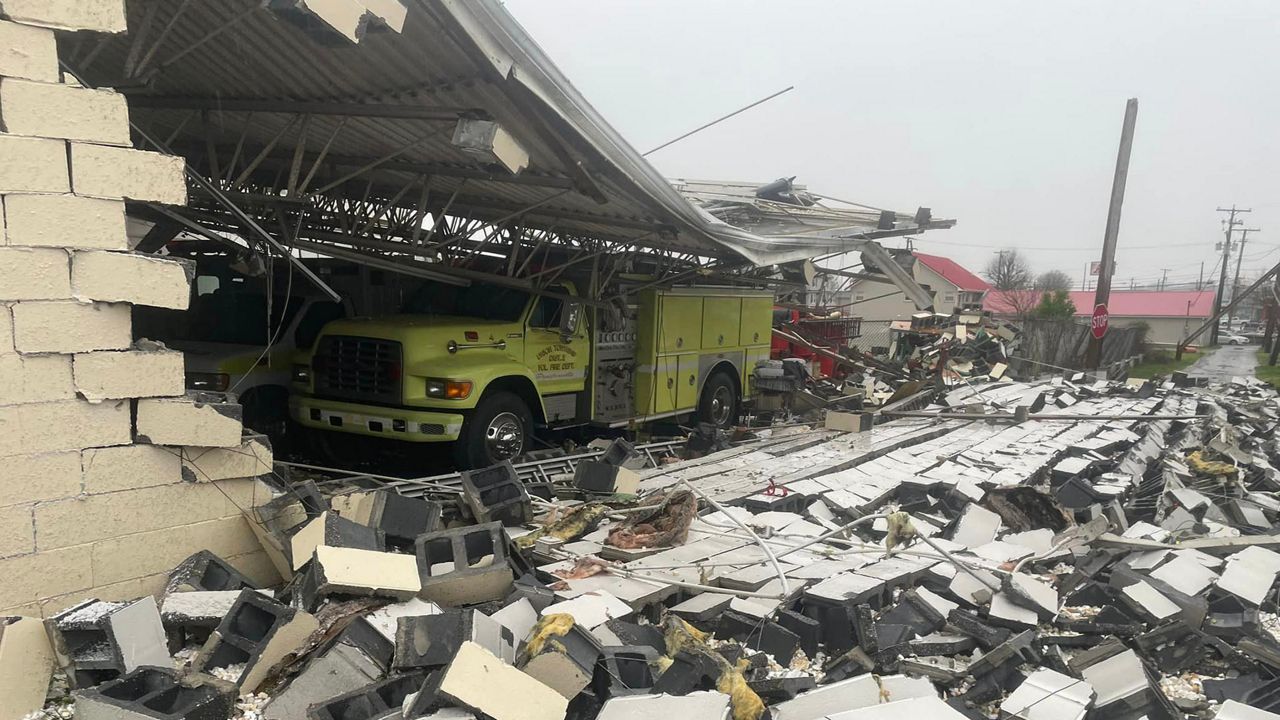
232,74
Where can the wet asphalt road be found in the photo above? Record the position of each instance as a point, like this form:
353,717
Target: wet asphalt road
1227,362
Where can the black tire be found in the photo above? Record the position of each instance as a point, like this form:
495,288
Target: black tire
719,404
473,448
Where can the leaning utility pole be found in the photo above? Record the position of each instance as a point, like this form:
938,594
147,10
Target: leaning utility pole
1093,357
1226,260
1275,314
1235,285
1271,306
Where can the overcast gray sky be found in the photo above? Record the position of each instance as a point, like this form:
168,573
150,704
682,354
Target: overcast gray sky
1004,115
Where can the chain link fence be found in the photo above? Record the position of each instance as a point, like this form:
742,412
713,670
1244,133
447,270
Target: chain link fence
875,337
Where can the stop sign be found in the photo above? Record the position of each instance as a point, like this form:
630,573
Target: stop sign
1101,319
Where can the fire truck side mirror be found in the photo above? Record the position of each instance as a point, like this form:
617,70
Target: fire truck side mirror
569,320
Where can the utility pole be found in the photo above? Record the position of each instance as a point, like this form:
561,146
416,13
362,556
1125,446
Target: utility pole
1164,274
1093,356
1200,281
1235,285
1271,306
1226,260
1275,319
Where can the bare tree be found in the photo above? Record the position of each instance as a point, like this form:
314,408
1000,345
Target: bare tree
1008,271
1053,280
1011,278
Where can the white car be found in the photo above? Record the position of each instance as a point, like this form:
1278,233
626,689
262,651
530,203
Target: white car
1235,340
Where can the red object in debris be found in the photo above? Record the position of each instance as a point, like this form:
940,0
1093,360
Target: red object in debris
1101,319
829,333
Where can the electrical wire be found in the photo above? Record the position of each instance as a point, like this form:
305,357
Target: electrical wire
271,338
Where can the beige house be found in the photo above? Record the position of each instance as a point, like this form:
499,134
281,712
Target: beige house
951,284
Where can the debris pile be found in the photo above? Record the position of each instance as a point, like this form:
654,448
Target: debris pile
959,345
1102,551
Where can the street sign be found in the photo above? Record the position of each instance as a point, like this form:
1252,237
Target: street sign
1101,319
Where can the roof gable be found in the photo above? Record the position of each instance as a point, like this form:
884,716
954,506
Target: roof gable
953,272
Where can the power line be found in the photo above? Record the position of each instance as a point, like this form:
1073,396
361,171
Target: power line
1052,249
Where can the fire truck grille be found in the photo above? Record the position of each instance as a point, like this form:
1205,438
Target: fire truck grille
359,369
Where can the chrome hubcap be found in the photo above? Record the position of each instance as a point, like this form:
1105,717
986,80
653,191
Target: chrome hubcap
504,438
721,406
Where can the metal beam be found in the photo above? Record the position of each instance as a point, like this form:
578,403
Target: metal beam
450,275
1213,321
138,99
417,168
897,274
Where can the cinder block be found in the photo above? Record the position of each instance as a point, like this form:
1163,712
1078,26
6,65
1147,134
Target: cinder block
463,566
71,327
114,515
157,694
257,633
204,419
129,467
17,532
35,378
259,568
205,571
34,273
64,425
604,477
848,422
63,111
251,459
497,493
401,518
129,374
332,530
381,700
32,478
429,641
159,551
98,640
26,665
567,663
133,278
65,221
196,609
473,675
29,53
30,578
343,668
114,172
32,165
348,571
98,15
629,670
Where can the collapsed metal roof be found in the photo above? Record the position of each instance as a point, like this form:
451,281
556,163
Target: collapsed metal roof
342,129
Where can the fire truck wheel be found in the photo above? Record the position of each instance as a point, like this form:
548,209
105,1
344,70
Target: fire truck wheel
719,404
498,430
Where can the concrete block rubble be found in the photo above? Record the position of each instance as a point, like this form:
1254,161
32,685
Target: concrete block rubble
1119,562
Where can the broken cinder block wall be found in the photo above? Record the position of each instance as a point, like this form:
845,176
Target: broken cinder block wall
111,476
